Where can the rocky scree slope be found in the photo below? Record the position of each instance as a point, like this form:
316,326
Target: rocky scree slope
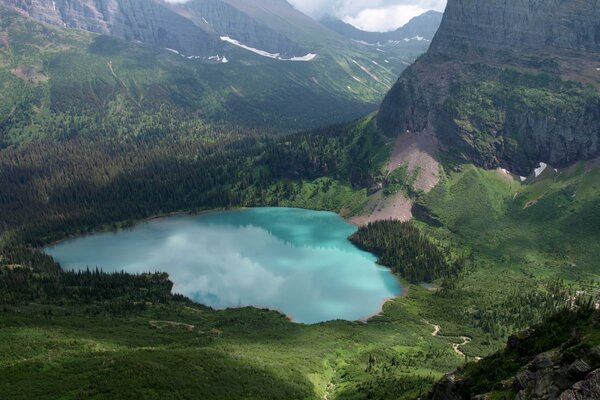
506,83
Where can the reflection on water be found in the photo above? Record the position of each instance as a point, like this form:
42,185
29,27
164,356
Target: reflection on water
296,261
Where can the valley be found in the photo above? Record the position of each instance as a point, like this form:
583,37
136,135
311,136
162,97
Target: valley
476,186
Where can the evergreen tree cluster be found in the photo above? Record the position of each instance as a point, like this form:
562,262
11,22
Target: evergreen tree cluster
29,276
52,189
406,250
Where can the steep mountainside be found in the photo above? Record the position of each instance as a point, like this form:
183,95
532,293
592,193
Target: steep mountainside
146,21
421,28
508,83
221,18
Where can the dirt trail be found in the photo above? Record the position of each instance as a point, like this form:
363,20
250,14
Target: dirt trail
455,346
330,389
161,324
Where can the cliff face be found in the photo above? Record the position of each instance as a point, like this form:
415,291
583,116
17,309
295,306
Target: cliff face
147,21
508,83
523,25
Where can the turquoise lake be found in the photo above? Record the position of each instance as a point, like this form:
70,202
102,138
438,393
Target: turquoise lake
298,262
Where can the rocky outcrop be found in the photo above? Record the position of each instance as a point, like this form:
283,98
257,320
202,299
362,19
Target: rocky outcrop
506,83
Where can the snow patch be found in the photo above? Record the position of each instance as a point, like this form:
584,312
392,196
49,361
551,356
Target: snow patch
386,61
366,71
538,171
218,58
363,42
205,21
523,179
275,56
54,5
308,57
356,79
418,38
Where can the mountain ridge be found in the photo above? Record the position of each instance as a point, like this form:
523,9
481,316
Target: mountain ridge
422,27
511,106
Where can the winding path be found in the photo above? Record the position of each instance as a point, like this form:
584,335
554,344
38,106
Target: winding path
455,346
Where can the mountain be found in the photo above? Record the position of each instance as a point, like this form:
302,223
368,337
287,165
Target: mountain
146,21
223,19
421,29
506,83
249,64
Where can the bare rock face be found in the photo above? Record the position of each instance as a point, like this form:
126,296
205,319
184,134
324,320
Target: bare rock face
587,389
507,83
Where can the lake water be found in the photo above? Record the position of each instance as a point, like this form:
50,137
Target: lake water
296,261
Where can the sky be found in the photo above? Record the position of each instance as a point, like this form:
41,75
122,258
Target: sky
370,15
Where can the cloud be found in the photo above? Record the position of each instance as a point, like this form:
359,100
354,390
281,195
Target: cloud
370,15
373,15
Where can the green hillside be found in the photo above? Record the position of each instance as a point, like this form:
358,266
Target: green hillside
101,336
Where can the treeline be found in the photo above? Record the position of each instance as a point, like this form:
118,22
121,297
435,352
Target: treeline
52,189
29,276
402,247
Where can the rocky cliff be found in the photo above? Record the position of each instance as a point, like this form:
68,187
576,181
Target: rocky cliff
507,83
519,25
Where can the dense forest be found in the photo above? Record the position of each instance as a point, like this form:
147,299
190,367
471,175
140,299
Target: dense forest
29,276
407,251
53,189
